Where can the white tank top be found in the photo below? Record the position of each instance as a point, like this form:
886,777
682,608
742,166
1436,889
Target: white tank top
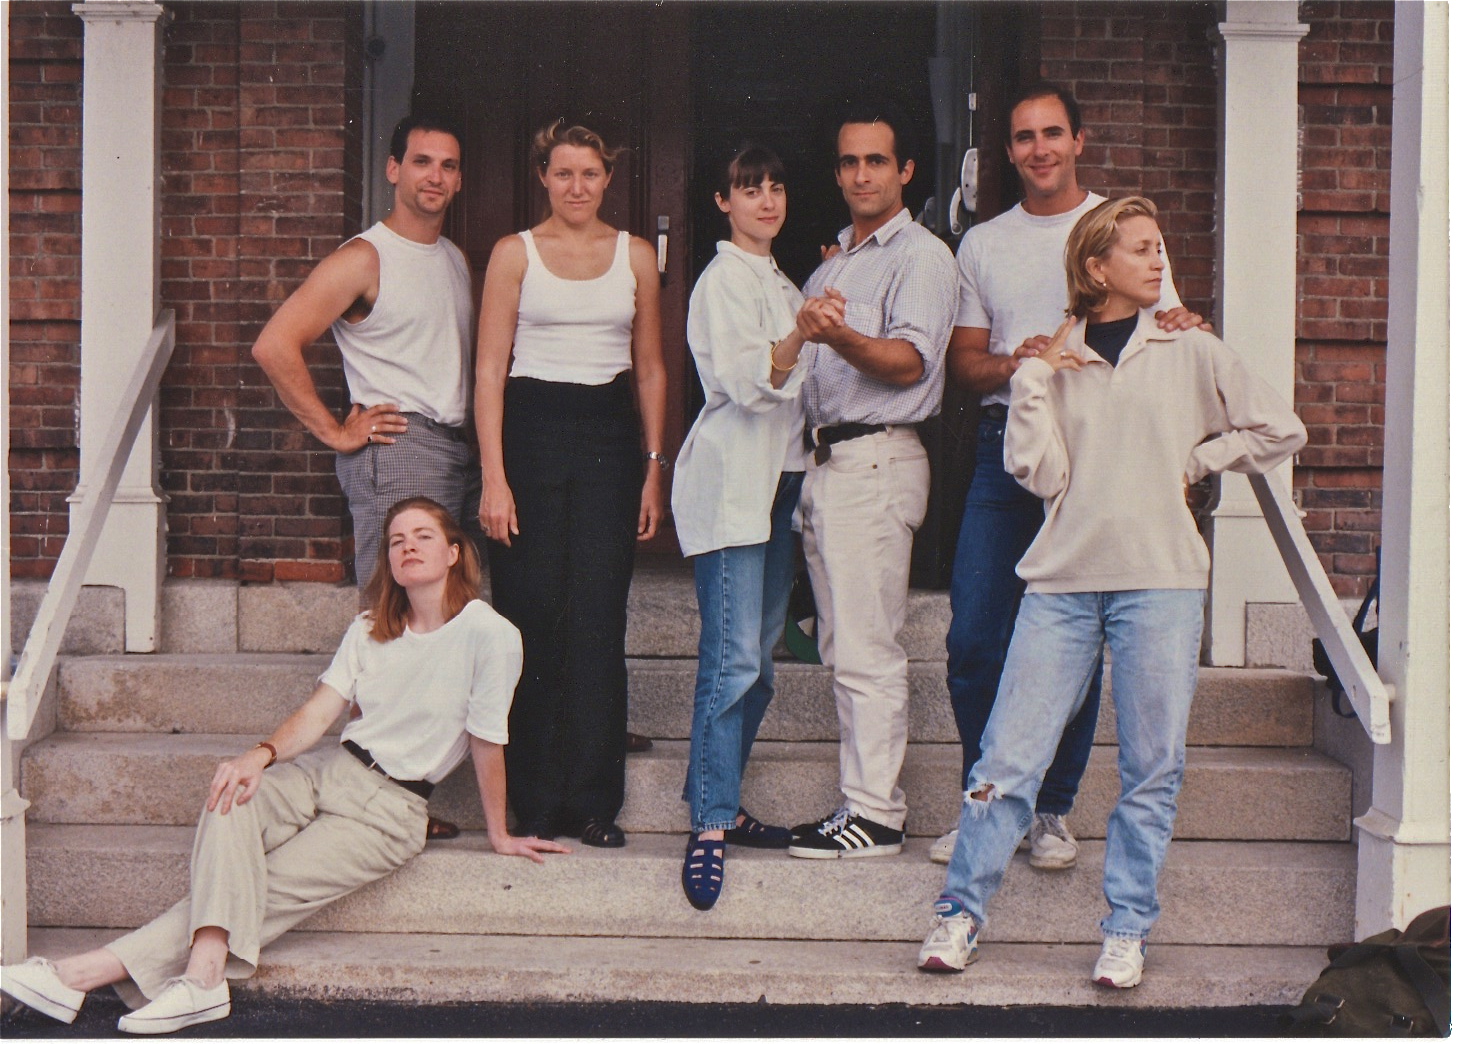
414,348
574,331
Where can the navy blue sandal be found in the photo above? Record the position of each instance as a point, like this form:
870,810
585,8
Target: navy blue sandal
703,872
754,834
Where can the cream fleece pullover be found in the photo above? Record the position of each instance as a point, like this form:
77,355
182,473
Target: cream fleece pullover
1107,448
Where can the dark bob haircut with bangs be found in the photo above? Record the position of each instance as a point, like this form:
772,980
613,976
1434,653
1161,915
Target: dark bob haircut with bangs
751,165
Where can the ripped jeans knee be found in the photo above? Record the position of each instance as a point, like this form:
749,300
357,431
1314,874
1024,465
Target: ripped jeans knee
980,796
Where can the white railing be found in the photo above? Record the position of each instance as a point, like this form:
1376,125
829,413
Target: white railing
1368,693
38,658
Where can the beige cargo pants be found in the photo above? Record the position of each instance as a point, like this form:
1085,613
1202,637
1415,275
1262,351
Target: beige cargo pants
318,828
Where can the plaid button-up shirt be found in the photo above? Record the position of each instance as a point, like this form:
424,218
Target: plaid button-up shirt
899,283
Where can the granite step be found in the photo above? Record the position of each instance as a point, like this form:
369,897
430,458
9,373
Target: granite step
438,969
1215,893
1230,793
252,693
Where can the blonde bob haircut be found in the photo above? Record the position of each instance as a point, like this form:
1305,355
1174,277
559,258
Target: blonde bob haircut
558,133
388,601
1094,235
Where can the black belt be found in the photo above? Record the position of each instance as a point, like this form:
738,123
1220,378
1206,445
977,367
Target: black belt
415,786
823,438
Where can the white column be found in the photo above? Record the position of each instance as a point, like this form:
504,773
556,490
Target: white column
1403,840
1256,286
120,269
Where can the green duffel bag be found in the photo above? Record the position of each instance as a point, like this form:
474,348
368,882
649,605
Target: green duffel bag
1393,984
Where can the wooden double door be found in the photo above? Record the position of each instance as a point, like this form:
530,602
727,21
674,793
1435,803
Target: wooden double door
504,70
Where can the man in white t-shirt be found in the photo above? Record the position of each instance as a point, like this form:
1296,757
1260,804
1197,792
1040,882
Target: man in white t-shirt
1012,296
398,300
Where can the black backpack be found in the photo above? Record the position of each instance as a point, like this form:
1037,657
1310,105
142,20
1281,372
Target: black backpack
1393,984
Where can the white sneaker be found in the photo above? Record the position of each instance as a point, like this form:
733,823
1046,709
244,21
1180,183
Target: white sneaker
182,1002
941,851
1051,846
1121,963
36,985
953,942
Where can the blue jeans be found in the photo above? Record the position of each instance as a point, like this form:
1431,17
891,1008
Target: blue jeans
743,593
999,523
1154,639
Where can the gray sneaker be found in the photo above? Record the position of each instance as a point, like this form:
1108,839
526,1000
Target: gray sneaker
942,848
1051,846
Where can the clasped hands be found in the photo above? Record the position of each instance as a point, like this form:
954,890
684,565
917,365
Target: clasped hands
823,319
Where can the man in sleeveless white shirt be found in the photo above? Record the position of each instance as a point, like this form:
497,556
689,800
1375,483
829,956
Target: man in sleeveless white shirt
1012,295
398,299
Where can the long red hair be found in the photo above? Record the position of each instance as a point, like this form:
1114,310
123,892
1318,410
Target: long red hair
388,600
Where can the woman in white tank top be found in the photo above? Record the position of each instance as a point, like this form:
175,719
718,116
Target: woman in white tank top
572,473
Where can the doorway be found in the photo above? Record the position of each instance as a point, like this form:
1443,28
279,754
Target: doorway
683,85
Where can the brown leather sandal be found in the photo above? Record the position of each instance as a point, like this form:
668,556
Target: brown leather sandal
441,830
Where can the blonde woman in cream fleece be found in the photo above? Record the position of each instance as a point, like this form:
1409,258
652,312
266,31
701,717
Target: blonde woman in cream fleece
1108,425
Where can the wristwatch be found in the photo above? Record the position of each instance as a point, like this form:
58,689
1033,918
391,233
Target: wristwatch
659,458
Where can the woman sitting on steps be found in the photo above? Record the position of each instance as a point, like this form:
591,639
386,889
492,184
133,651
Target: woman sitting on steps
432,670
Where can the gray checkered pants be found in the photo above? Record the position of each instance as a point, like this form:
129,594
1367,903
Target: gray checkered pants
427,460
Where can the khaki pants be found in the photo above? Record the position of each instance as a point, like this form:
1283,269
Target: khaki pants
317,829
858,513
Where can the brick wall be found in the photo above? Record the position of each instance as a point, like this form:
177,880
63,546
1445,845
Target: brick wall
261,178
1346,96
1145,77
45,278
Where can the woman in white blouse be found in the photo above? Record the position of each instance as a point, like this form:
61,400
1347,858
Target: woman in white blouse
735,490
431,668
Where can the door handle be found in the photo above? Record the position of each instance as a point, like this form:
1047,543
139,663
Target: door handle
663,245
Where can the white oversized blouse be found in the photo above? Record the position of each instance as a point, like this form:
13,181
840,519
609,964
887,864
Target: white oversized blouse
749,431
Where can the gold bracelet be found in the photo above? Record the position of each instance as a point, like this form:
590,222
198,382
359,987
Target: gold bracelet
775,366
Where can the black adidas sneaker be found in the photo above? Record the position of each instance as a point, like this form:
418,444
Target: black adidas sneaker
843,835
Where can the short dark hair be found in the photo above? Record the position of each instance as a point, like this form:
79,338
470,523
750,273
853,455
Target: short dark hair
904,142
1047,89
751,165
424,121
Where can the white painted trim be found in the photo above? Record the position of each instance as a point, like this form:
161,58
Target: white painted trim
1403,839
1256,296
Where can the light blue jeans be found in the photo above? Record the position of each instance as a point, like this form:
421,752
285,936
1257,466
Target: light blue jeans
743,593
1154,639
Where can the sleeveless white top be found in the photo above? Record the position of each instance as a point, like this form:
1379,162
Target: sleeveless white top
574,331
414,348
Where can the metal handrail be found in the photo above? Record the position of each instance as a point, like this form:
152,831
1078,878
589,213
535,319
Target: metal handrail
23,693
1369,695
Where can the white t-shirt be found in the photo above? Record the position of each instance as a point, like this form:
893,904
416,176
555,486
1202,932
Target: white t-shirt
422,693
1011,280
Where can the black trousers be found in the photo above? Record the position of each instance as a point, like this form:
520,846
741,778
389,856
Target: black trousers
574,462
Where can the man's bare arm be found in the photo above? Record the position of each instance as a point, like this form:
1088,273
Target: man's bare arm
972,367
348,275
891,359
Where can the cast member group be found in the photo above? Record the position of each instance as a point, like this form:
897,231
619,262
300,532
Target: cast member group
1102,401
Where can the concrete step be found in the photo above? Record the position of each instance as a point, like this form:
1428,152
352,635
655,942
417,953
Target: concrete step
1213,892
252,693
432,969
1230,793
